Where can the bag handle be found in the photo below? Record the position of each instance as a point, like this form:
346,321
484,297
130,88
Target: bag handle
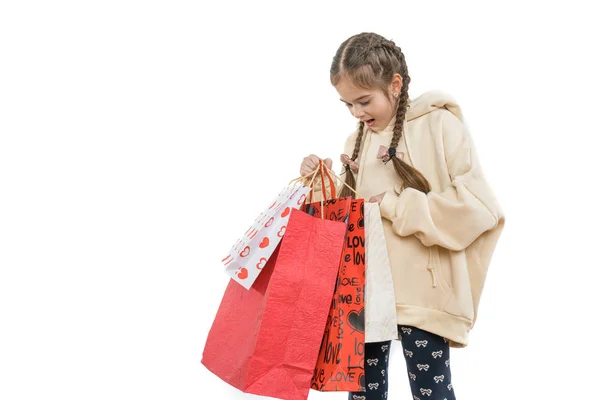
345,184
323,172
305,180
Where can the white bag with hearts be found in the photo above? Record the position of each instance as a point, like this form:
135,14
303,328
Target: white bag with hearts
251,252
380,299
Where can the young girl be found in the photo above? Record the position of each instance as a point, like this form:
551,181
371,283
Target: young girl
441,219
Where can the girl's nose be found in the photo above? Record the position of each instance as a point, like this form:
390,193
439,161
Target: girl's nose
357,112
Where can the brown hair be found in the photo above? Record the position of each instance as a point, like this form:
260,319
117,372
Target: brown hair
370,61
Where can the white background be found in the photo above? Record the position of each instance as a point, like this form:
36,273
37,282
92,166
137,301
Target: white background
140,138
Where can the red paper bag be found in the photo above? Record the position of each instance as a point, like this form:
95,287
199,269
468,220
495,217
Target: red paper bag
265,340
340,365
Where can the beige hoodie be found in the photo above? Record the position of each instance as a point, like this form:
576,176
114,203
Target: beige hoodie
440,244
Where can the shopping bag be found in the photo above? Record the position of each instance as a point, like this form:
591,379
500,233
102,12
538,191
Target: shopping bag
249,254
380,300
340,364
266,340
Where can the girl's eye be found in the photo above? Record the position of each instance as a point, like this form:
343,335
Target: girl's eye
363,104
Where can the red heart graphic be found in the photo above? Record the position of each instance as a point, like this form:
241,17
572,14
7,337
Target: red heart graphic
301,200
242,273
269,222
264,243
285,212
245,252
262,263
281,231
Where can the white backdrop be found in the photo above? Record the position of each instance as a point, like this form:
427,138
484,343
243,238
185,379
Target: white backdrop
140,138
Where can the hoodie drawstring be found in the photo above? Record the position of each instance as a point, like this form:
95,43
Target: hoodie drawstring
430,267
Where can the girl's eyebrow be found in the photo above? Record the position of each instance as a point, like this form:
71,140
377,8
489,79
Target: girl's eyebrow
361,97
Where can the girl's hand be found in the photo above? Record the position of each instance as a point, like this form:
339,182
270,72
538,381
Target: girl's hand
377,199
311,163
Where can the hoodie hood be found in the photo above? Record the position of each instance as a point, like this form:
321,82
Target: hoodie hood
426,103
431,101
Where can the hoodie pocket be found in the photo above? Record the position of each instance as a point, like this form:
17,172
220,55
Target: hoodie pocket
434,265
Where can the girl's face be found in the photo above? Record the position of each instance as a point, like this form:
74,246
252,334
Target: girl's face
372,106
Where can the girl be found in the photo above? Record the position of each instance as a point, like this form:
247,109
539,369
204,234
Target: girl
441,219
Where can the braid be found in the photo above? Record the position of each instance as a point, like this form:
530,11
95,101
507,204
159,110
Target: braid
409,175
361,131
350,180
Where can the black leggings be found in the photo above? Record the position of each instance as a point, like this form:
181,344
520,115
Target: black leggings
427,361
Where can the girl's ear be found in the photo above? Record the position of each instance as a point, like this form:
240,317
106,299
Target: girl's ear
396,84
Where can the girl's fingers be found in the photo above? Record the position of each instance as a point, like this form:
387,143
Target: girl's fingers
311,163
306,171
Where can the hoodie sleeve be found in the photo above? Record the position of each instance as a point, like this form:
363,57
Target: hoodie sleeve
458,215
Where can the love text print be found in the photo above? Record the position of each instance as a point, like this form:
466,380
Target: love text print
340,365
